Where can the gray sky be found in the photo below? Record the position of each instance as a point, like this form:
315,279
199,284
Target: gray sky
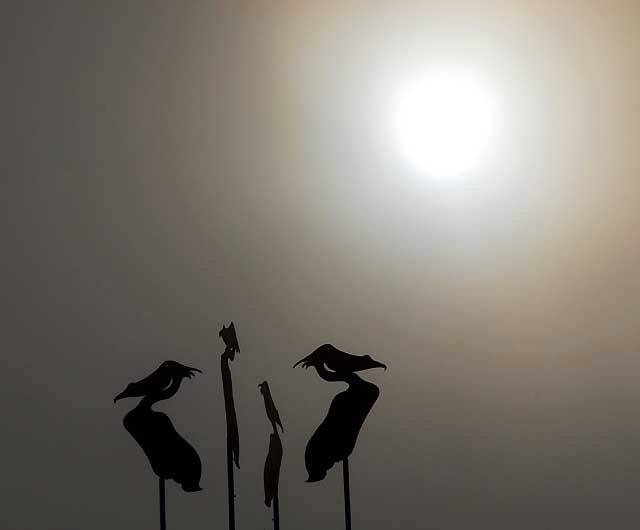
170,166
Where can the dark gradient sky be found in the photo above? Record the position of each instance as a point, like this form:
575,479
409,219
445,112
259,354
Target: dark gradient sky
170,166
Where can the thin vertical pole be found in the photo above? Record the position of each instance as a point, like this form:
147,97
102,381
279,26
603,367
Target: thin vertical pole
347,494
276,513
163,518
232,514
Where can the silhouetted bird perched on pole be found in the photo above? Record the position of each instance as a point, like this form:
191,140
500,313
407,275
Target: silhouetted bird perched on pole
272,412
335,438
274,456
170,455
228,335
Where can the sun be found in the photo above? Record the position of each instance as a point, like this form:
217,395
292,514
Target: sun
445,122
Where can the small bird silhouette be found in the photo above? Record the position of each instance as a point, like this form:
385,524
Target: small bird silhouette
170,455
230,339
272,411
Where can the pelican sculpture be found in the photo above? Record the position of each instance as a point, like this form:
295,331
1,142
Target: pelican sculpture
335,438
274,456
170,455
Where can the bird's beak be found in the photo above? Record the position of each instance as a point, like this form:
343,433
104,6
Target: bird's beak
305,362
377,364
189,368
189,371
120,396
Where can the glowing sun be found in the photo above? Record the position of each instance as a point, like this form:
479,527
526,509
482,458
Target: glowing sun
445,123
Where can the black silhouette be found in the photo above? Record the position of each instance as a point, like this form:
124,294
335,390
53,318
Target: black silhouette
336,437
274,457
170,455
272,411
230,339
338,360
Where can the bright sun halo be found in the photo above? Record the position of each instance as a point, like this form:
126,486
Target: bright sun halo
445,122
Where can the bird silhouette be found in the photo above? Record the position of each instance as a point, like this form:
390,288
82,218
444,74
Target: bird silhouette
336,437
274,456
230,339
272,411
170,455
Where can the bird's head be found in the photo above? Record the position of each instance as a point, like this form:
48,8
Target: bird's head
264,388
338,361
180,371
159,379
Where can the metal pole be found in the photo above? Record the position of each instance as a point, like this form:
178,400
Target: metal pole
276,513
232,515
163,518
347,495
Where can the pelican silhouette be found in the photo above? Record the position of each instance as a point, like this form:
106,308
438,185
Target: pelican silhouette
170,455
335,438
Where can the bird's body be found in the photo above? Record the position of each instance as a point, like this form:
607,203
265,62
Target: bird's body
335,438
272,411
170,455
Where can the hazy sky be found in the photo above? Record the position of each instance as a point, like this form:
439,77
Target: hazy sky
170,166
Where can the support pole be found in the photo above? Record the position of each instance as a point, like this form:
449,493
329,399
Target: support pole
232,514
163,518
276,513
347,494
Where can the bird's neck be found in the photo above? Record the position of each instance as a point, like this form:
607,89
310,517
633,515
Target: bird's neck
165,393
